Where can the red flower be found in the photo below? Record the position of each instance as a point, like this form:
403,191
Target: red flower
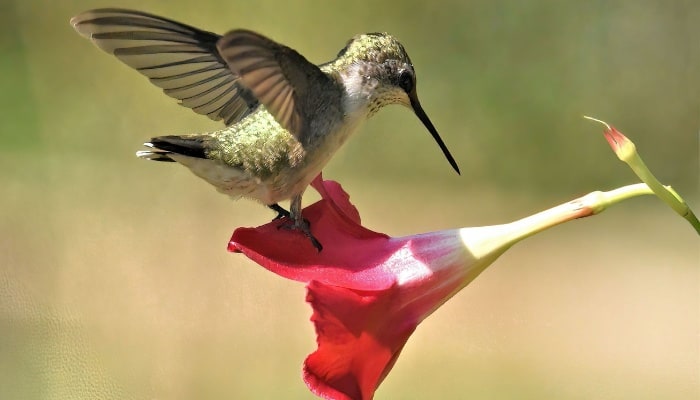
368,291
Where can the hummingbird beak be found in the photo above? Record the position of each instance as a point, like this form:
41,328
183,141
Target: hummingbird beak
415,104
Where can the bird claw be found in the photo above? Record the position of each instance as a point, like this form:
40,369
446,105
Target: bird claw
304,227
281,212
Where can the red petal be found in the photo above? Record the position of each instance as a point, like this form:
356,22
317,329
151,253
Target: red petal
352,255
359,334
332,191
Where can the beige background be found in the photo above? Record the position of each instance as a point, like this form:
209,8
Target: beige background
115,282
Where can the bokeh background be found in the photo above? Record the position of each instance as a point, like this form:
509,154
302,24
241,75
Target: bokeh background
115,282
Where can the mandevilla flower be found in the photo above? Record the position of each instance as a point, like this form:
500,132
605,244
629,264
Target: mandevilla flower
370,291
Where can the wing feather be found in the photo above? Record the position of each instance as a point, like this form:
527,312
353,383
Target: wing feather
180,59
287,84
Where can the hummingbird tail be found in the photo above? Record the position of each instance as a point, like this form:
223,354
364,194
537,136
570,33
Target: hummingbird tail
155,155
164,146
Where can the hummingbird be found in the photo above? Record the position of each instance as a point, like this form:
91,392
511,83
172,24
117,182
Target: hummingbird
284,116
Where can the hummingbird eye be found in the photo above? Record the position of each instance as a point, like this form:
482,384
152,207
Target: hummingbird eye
406,81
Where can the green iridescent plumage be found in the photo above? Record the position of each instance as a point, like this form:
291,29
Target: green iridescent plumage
260,131
374,48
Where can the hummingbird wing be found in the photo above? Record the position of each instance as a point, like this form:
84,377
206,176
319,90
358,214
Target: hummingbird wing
290,87
178,58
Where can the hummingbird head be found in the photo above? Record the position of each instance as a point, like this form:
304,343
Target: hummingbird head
376,71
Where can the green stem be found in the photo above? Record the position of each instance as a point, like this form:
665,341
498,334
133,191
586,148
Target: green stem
491,241
665,193
585,206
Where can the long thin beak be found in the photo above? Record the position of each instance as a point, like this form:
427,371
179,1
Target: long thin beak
426,121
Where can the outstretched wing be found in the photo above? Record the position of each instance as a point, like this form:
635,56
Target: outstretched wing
180,59
290,87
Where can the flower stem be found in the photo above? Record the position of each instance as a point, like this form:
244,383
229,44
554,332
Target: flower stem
665,193
492,241
591,204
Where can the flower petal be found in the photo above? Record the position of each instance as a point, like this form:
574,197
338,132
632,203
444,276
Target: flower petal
359,334
331,190
353,256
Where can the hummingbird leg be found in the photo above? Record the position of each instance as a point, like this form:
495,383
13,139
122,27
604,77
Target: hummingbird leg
298,222
281,212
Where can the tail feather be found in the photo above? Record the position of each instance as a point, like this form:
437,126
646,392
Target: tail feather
154,155
192,146
163,146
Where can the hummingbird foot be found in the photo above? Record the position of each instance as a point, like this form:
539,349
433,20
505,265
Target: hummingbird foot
281,212
296,221
302,225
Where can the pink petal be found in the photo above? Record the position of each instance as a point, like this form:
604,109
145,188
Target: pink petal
352,255
359,334
332,191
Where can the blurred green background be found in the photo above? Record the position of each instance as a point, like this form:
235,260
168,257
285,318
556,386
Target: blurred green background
115,282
